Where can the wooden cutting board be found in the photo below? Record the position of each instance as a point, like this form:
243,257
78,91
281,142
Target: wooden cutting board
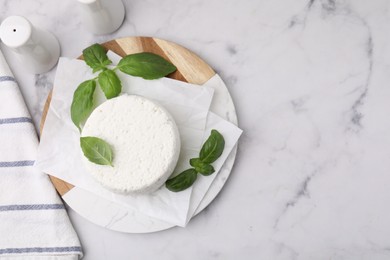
190,68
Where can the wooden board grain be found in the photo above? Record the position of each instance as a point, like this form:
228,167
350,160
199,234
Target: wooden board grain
190,68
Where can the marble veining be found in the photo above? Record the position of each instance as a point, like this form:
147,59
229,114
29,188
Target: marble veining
310,82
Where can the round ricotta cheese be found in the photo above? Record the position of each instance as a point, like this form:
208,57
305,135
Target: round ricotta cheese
145,143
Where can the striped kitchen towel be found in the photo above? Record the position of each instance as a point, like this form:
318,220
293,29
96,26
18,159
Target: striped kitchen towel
33,221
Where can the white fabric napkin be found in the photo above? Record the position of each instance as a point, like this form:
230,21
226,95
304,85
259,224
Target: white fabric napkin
33,221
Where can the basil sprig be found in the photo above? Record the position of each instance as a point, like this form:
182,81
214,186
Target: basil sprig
210,152
146,65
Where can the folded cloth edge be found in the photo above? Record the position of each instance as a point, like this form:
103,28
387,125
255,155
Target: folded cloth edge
14,170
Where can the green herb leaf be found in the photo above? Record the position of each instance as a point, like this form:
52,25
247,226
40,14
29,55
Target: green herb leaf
205,169
182,181
110,83
194,162
95,56
82,103
201,167
146,65
212,148
96,150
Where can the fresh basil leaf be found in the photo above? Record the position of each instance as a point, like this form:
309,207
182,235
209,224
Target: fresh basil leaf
182,181
205,169
96,150
212,148
194,162
146,65
82,103
201,167
110,83
95,56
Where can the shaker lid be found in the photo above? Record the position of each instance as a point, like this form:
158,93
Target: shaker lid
15,31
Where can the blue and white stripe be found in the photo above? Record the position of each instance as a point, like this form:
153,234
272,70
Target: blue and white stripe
17,163
31,207
7,78
25,250
15,120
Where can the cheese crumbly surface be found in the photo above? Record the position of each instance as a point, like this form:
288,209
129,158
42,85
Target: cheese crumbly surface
145,143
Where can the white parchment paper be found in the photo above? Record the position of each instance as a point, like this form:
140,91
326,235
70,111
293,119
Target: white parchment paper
60,154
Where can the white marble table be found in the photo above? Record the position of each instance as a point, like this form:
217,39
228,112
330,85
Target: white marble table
311,84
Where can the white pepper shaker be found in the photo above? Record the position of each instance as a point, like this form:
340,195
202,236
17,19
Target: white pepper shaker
37,50
102,16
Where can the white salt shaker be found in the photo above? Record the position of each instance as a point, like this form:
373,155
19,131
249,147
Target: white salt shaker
102,16
37,50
